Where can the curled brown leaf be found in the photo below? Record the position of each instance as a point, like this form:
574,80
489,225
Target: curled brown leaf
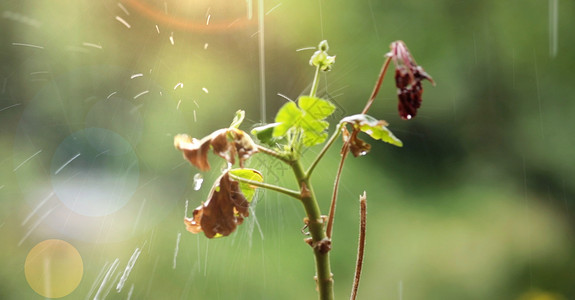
226,143
195,151
357,146
225,209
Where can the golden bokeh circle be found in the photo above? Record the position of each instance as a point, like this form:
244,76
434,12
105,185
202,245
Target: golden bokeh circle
54,268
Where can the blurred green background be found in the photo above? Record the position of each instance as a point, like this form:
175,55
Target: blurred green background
478,204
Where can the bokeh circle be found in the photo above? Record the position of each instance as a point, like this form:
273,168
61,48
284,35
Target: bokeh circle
94,172
94,162
54,268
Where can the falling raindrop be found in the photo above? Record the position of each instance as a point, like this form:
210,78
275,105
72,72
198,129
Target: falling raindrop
121,20
128,269
198,180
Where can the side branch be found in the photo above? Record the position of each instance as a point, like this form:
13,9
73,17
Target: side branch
268,186
273,153
324,150
377,85
361,244
345,147
331,216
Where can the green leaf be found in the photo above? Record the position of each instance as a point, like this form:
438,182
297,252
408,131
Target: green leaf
317,108
249,174
314,130
288,116
309,117
238,119
265,133
377,129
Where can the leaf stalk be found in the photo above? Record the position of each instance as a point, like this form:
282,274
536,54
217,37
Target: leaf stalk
268,186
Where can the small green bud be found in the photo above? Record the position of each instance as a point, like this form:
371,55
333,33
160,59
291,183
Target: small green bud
323,46
321,59
317,58
328,63
238,119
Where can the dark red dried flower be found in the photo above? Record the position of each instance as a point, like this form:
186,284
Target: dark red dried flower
408,77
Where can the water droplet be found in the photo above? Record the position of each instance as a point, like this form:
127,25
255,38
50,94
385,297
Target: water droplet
198,180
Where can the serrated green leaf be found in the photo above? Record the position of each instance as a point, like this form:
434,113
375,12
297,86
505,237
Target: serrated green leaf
377,129
312,139
318,108
314,130
249,174
308,115
315,110
381,132
288,116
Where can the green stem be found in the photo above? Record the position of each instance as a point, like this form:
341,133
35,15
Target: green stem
273,153
315,83
268,186
320,244
332,139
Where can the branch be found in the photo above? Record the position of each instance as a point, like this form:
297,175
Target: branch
315,83
377,85
268,186
361,244
273,153
318,241
329,228
345,147
324,150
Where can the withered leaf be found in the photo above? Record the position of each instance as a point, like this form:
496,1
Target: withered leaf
244,145
225,209
226,143
195,151
357,146
375,128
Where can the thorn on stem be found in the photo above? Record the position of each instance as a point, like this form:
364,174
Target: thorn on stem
305,192
323,246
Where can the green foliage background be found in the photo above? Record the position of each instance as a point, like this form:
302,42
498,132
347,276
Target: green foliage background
478,204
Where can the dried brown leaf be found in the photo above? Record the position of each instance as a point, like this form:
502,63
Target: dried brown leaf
225,209
195,151
226,143
357,146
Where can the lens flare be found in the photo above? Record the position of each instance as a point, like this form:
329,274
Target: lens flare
54,268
